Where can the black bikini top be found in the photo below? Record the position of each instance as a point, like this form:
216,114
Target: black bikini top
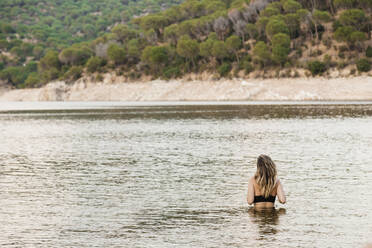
261,198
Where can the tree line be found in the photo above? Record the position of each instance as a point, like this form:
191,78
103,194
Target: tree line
30,28
223,36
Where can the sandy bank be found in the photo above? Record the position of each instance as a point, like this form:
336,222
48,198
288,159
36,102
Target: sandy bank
355,88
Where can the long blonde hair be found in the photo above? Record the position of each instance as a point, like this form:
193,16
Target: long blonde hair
266,174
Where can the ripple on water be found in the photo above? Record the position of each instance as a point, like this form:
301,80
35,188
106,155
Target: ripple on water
177,177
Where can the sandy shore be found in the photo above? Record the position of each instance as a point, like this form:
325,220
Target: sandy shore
296,89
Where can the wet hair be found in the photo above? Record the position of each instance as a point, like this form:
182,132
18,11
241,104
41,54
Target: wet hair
266,174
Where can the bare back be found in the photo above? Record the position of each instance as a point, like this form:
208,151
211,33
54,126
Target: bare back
258,192
254,190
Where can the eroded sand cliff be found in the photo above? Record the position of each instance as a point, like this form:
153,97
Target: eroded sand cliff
355,88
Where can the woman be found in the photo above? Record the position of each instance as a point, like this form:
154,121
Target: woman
264,186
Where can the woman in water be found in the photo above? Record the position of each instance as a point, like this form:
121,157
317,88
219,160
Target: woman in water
264,186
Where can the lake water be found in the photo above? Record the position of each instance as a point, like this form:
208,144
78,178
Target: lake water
175,174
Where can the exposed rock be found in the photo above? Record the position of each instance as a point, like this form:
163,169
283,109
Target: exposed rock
54,91
4,87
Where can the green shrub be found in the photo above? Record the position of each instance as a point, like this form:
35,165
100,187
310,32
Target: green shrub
94,64
155,57
281,46
363,65
30,67
316,67
219,50
116,54
171,72
49,74
74,56
6,28
15,75
99,78
262,53
17,51
369,52
188,48
37,52
32,80
224,69
49,61
243,62
336,24
248,67
73,73
134,75
4,44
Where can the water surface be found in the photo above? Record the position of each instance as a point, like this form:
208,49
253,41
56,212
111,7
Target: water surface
175,175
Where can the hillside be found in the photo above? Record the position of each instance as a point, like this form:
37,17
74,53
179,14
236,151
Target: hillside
30,28
226,37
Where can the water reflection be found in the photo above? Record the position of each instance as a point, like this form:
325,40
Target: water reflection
266,220
173,217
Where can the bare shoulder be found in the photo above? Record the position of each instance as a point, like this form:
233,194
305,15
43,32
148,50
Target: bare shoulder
278,182
251,181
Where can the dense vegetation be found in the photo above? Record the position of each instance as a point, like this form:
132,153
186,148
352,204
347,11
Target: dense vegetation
223,36
30,28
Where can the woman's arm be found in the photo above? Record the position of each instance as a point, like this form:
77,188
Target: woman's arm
280,193
250,194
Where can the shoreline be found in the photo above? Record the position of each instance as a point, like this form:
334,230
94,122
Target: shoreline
357,88
70,106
